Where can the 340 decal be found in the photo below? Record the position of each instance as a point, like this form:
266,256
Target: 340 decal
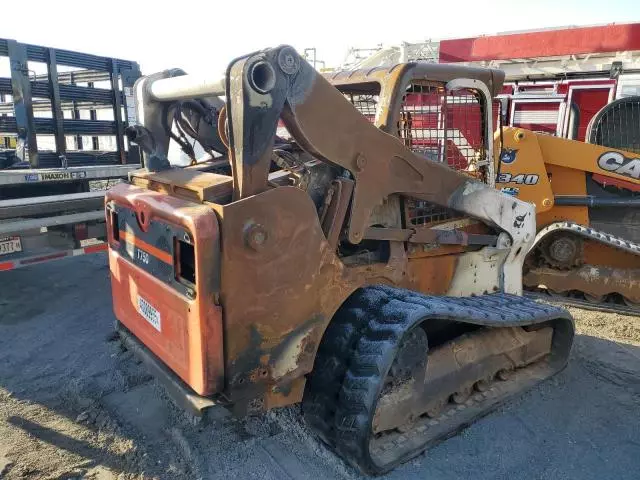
520,178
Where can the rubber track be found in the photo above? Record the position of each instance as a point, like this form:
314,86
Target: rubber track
607,307
368,333
588,233
596,236
324,384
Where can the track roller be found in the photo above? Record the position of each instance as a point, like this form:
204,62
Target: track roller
557,294
594,298
483,385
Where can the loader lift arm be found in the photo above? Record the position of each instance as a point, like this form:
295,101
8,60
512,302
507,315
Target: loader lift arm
277,83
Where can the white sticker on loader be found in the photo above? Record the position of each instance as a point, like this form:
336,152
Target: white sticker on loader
149,313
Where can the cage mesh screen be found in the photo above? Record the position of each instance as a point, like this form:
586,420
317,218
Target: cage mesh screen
616,125
366,104
421,212
446,127
443,126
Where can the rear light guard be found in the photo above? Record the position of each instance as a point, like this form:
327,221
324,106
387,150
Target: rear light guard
184,261
162,249
113,225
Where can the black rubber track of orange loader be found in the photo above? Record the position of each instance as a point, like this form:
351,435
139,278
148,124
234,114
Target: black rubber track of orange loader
390,315
324,384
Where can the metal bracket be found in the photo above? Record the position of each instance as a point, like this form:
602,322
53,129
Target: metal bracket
22,101
430,235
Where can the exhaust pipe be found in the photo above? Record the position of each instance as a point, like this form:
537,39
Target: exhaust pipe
186,87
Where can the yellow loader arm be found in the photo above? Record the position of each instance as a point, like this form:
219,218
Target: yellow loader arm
539,168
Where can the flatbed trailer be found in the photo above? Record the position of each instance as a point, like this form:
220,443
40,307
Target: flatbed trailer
63,116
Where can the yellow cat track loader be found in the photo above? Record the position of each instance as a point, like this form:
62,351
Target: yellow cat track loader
334,266
587,198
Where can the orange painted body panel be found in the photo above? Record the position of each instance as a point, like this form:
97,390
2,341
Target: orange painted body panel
597,254
565,181
189,340
561,167
528,160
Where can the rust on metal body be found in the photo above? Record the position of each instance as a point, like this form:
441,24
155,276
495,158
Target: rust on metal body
594,280
335,210
454,369
393,81
265,334
285,264
380,164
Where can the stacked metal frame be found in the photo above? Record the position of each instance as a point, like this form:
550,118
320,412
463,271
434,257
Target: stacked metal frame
68,86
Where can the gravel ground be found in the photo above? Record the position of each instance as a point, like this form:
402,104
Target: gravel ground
73,404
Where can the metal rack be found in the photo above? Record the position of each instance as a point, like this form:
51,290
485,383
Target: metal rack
71,91
62,143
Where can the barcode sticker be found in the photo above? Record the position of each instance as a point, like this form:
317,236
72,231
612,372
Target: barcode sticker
149,313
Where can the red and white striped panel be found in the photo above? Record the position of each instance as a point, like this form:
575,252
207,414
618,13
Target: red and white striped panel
32,260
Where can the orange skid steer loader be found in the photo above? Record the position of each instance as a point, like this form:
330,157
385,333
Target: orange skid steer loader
317,271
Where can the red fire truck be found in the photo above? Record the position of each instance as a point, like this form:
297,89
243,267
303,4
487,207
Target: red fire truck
557,79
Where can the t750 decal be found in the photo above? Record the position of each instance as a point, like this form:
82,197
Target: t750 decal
618,163
520,178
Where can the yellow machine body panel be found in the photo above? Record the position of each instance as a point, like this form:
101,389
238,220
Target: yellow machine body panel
588,186
537,168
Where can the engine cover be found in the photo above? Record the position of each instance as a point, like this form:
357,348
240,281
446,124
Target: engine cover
164,259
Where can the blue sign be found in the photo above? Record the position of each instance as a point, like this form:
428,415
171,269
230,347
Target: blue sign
511,191
508,156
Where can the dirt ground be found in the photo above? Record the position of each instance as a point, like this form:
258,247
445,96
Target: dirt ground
74,405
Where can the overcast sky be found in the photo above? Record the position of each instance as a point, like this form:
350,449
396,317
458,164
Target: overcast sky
201,36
